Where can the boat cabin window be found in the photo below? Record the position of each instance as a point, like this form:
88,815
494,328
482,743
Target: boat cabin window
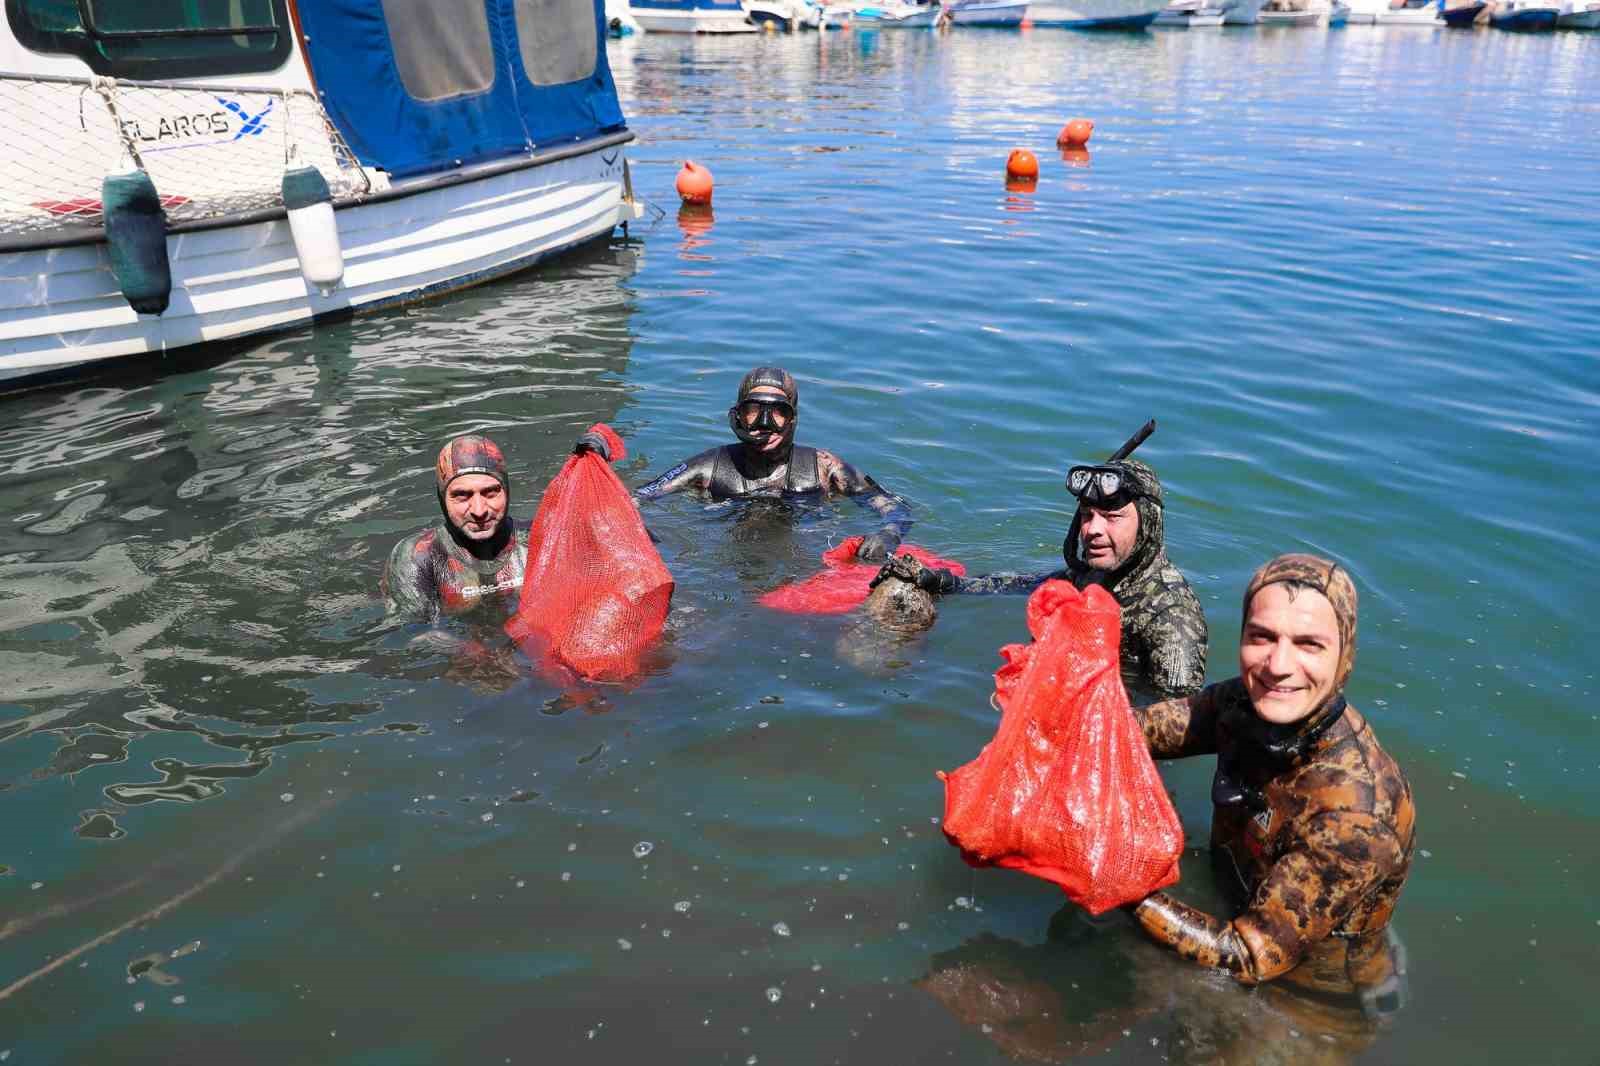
158,39
558,40
441,47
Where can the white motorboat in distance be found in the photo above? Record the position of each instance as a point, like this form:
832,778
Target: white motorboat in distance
894,13
141,216
986,12
692,16
1095,14
1241,12
1413,13
1191,14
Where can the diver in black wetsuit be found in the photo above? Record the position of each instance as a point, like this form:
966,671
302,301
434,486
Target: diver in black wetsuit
767,462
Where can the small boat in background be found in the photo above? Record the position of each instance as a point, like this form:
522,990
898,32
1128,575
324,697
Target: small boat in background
1525,16
1414,13
1464,17
986,12
894,13
691,16
1579,15
1241,12
820,16
1288,13
1096,14
783,16
1191,14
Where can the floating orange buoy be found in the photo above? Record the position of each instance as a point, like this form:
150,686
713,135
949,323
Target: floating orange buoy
694,183
1075,134
1022,164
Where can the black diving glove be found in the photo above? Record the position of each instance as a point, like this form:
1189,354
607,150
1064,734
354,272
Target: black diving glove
593,442
876,547
907,568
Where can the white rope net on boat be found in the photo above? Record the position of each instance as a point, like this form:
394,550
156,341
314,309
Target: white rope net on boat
211,151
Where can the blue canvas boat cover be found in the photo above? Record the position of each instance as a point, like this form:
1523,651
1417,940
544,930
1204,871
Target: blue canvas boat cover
418,86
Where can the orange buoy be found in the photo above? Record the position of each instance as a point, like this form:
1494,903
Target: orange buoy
1075,134
1022,164
694,183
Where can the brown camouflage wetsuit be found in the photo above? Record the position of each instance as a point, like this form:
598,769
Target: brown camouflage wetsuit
1163,627
1315,818
430,576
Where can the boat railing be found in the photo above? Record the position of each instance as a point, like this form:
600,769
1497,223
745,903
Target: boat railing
211,150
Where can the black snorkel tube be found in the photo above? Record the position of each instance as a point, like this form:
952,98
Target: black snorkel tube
1133,442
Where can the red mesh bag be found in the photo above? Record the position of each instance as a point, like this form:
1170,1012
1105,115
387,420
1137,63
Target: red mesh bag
595,592
845,583
1066,790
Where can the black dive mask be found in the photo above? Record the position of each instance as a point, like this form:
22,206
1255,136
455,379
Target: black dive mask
762,415
1106,486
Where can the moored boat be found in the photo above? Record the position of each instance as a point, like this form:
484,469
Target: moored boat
1288,13
1190,14
691,16
1579,15
1413,13
1525,16
986,12
894,13
1241,12
317,160
1464,16
1095,14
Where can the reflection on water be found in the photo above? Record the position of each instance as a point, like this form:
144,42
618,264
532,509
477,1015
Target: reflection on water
1339,268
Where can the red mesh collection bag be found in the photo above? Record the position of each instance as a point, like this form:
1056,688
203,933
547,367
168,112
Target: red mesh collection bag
1066,790
595,592
845,583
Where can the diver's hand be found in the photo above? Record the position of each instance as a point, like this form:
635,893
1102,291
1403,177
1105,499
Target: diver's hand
907,568
593,442
876,547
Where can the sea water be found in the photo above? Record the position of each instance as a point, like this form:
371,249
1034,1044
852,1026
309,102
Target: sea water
1352,274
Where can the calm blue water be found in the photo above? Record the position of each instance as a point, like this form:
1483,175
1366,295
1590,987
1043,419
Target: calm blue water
1353,276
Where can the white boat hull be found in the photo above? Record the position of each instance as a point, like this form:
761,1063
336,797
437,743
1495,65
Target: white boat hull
692,20
60,306
1088,14
1189,16
989,13
1410,16
1290,18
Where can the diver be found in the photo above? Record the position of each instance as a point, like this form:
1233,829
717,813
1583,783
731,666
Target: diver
1117,540
475,555
767,462
1313,817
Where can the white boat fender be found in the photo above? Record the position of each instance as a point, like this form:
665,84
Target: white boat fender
313,227
136,236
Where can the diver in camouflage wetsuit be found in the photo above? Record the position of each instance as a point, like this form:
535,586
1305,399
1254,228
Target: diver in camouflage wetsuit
1315,819
475,555
767,462
1117,539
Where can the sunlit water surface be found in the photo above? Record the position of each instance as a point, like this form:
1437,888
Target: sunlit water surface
1353,274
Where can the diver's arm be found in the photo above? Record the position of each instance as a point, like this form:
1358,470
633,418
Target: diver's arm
836,475
1307,893
1181,727
1175,650
689,474
407,583
1004,583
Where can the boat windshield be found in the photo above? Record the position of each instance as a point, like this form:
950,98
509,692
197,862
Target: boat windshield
156,39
